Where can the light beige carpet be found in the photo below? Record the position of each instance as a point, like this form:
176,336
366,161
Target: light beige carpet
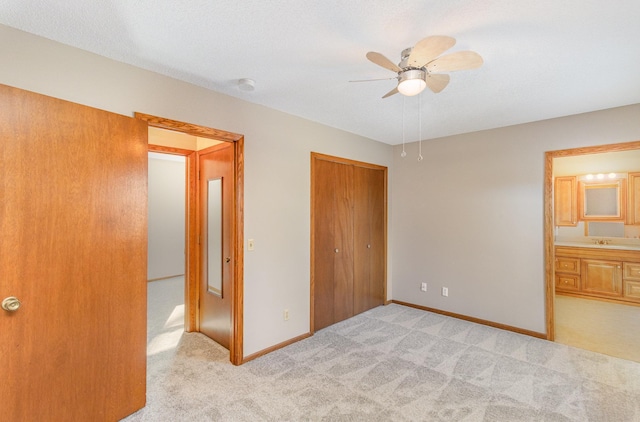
392,363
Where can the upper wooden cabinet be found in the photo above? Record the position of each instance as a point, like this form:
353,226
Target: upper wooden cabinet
565,201
633,212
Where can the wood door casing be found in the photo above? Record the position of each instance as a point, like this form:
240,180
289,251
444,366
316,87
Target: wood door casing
215,311
73,249
237,309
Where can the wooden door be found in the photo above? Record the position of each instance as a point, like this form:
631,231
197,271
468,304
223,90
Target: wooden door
73,250
217,186
333,242
348,238
565,201
601,277
369,240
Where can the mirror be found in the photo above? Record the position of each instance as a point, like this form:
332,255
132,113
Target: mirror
602,201
214,236
605,229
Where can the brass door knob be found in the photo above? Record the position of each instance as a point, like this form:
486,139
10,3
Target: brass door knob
11,304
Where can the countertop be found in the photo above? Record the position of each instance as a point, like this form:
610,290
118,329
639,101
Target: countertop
628,246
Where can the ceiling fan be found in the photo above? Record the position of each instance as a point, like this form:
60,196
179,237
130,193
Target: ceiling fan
421,66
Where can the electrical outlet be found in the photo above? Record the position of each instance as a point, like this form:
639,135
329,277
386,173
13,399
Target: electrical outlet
445,291
423,287
285,315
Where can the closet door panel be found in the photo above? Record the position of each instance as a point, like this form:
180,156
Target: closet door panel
324,243
362,239
348,238
369,239
378,251
343,250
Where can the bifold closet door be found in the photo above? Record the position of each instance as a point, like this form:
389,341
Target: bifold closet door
369,239
333,242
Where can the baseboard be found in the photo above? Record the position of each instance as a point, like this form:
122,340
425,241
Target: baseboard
274,348
476,320
165,278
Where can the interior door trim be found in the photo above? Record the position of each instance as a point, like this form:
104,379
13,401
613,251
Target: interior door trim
237,310
191,258
549,253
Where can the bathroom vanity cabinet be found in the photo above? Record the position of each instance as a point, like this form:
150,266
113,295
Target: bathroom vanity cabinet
612,274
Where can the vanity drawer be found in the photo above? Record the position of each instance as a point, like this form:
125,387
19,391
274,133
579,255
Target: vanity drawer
568,282
632,290
631,271
567,265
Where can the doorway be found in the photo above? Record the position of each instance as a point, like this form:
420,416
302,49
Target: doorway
167,199
592,323
205,137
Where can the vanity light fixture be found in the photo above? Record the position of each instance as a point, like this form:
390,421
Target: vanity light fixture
600,176
589,176
612,175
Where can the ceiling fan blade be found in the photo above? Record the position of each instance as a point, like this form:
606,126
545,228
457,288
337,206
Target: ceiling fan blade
428,49
370,80
390,93
461,60
437,82
381,60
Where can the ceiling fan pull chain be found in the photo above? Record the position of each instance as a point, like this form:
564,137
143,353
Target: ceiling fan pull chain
420,158
404,153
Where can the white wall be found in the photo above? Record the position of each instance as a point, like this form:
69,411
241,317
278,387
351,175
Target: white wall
277,163
470,216
167,197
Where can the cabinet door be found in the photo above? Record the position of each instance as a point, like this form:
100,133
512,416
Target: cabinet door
602,277
633,213
369,238
565,201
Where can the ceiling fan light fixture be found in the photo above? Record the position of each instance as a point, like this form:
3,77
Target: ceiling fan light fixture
412,82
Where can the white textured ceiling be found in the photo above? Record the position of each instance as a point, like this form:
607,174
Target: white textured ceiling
542,59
